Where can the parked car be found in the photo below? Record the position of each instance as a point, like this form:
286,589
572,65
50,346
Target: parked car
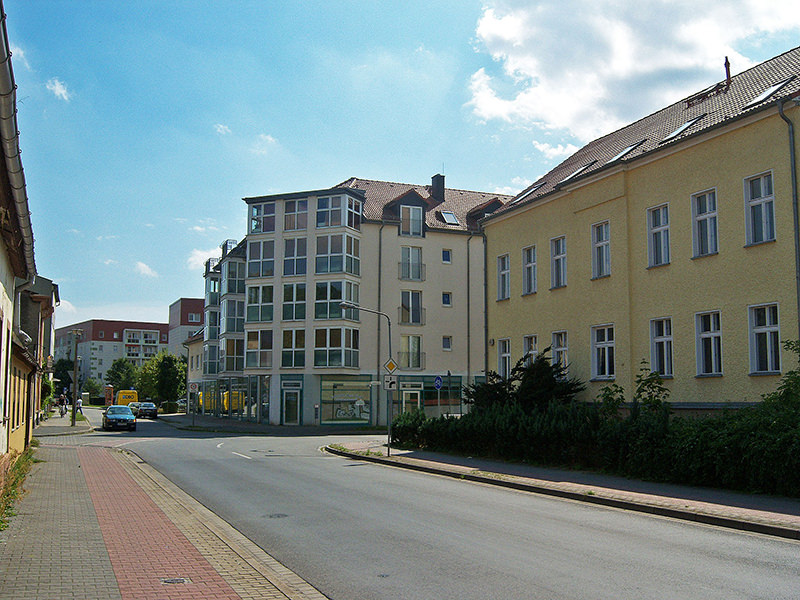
119,417
134,406
147,410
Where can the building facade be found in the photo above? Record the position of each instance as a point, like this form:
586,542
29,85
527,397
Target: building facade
103,341
185,319
291,353
672,241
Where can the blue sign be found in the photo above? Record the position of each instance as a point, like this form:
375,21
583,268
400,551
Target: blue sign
437,383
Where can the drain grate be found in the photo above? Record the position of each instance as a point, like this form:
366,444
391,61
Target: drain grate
171,580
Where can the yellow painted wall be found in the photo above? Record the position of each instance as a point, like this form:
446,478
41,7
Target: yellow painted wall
729,281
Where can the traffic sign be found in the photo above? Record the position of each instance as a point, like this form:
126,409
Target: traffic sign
390,383
390,365
437,382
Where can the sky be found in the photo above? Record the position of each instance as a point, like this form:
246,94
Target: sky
143,124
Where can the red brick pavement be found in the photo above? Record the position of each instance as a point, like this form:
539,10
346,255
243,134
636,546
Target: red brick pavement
143,544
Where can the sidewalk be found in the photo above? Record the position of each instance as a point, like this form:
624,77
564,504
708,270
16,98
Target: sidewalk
97,523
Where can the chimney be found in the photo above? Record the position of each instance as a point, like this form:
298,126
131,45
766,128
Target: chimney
727,71
437,188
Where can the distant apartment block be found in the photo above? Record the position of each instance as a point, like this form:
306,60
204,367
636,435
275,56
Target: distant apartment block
185,319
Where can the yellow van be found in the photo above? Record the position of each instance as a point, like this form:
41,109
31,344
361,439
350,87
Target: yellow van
127,396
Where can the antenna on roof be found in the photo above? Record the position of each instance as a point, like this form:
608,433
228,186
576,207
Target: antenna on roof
727,71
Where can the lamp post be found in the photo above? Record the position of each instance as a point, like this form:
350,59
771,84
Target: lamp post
76,334
346,305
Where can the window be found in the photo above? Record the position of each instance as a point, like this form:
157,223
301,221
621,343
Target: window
447,256
503,277
327,298
262,217
116,335
294,301
529,270
601,251
411,263
765,342
560,349
704,234
193,317
530,349
338,253
232,355
295,215
411,220
261,258
709,343
293,353
258,353
504,358
102,334
411,307
294,256
447,343
603,352
767,93
410,352
233,279
661,346
354,208
759,204
336,347
329,212
352,257
558,262
681,129
260,304
447,299
232,316
449,217
658,235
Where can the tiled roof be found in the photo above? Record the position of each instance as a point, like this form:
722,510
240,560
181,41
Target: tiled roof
381,194
715,106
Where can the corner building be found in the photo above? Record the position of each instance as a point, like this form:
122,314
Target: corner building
673,241
291,354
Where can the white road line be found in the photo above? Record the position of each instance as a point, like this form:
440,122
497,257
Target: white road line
220,444
242,455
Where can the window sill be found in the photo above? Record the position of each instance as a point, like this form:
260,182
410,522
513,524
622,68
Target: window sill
601,379
601,277
705,255
558,287
533,293
658,266
707,375
503,299
752,244
764,374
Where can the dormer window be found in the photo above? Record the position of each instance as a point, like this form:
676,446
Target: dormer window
411,220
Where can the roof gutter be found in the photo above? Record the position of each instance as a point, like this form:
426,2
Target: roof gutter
793,171
9,139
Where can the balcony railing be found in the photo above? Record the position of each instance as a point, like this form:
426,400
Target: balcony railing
411,361
411,271
406,316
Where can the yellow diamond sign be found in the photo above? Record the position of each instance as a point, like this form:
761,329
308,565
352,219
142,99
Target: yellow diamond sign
390,365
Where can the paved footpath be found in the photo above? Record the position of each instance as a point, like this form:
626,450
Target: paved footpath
99,524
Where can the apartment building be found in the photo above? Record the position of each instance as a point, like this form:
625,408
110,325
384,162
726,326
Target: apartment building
185,319
103,341
289,351
672,240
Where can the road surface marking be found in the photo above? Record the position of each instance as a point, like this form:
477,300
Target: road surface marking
242,455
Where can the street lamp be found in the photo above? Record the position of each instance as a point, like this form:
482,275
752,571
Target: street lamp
345,305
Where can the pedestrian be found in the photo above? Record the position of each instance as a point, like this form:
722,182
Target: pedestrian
78,405
62,406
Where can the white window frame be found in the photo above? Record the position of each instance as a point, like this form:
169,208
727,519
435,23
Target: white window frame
411,310
257,264
328,296
411,352
529,270
603,351
447,299
709,343
260,304
560,348
658,236
258,349
705,229
295,305
262,217
411,219
293,348
295,215
295,256
447,343
530,348
601,250
558,262
661,345
766,335
329,211
503,277
504,358
411,263
336,347
763,206
447,256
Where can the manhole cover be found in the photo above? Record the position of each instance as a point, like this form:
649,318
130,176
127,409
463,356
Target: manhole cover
170,580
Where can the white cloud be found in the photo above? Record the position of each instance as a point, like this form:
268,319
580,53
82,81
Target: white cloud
109,261
18,57
552,152
145,270
59,89
197,258
102,238
590,66
66,307
263,144
74,231
222,129
518,184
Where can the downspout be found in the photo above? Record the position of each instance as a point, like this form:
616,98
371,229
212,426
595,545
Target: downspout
380,324
796,221
485,306
469,314
9,138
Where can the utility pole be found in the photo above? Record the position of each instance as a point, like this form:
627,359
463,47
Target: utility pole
76,333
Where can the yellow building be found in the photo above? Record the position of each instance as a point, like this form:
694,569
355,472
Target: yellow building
672,240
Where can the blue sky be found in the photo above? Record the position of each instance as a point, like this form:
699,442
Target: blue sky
143,124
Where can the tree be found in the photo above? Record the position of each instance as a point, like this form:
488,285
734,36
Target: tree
171,377
62,371
121,374
147,378
94,387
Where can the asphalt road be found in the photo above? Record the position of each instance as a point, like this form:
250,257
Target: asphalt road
361,531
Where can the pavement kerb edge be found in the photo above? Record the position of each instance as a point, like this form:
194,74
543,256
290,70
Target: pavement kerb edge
285,580
706,519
